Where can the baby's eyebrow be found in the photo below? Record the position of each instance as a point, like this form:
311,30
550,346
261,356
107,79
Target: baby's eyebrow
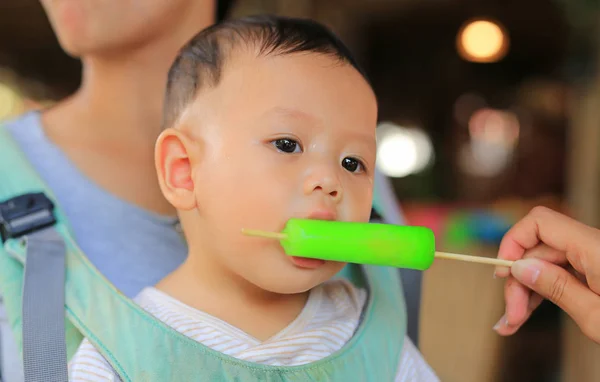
290,113
297,114
365,139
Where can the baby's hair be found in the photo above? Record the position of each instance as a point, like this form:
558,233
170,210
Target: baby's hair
200,62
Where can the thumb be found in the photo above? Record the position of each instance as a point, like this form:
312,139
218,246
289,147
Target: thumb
557,285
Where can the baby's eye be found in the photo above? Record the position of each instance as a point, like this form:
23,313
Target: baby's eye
353,165
287,145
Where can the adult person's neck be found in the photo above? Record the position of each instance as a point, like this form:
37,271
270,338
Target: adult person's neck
120,98
109,126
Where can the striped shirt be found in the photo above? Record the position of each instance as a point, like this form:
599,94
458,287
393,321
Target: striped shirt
327,322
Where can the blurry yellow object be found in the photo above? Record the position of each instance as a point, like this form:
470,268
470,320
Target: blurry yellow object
482,41
10,102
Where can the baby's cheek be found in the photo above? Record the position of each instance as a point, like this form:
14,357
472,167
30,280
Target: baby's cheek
356,208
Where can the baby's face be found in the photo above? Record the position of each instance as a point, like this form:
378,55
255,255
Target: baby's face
280,137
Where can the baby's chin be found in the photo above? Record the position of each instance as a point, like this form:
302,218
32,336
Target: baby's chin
294,280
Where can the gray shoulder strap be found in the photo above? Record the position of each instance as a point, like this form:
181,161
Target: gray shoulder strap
44,344
11,365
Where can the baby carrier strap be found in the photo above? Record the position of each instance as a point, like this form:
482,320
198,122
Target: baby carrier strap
44,343
33,292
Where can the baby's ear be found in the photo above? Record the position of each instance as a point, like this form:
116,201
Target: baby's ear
174,156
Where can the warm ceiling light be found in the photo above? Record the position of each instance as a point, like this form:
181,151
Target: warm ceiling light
482,41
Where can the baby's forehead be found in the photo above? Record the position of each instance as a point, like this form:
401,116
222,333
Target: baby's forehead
291,90
247,70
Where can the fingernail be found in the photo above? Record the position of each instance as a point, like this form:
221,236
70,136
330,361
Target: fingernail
502,322
501,272
526,271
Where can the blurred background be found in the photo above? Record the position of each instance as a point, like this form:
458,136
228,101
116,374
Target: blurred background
487,108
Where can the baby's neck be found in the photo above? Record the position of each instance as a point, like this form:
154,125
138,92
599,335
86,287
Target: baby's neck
257,312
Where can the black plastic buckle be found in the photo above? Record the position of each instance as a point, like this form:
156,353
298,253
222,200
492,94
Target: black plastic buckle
24,214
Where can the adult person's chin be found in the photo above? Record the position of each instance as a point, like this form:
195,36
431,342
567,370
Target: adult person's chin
112,28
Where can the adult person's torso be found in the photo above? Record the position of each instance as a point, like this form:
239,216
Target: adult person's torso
132,247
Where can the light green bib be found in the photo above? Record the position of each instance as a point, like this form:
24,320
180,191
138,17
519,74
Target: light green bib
142,348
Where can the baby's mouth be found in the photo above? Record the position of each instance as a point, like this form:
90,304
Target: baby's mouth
304,262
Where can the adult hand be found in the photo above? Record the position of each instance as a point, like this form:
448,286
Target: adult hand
558,259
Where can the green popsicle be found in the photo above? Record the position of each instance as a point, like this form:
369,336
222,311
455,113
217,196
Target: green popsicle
363,243
411,247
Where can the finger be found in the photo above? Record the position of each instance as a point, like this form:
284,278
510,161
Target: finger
546,253
506,328
518,296
542,252
520,301
543,225
589,269
546,226
563,289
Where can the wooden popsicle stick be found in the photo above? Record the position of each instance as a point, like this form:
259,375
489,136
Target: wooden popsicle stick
440,255
265,234
474,259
